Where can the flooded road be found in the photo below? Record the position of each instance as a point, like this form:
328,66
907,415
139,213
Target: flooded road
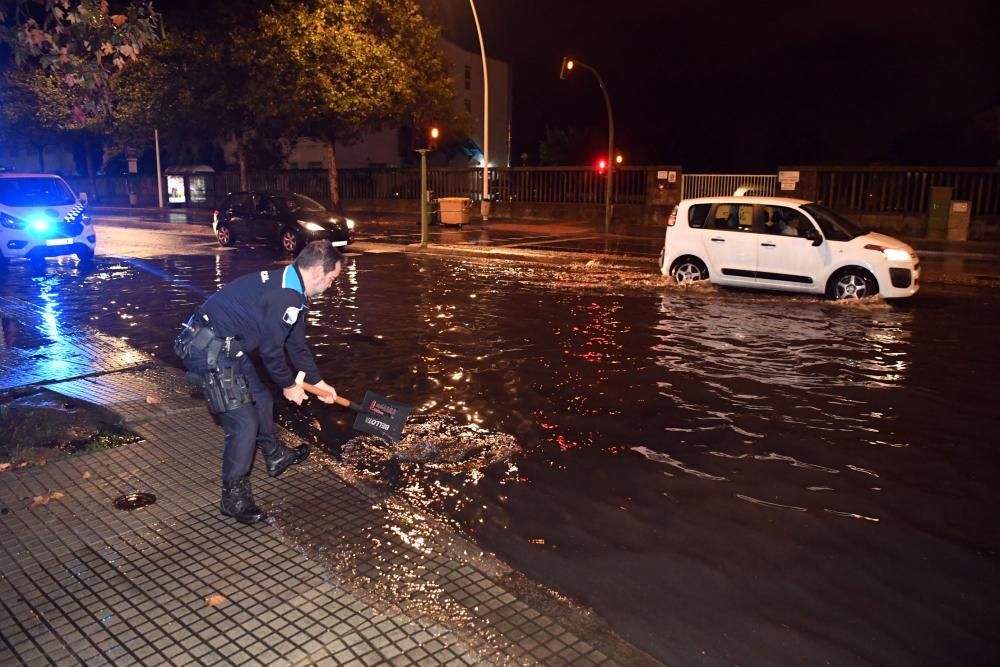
726,477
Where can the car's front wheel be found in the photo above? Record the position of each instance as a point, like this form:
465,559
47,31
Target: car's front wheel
85,255
852,284
224,234
290,241
687,270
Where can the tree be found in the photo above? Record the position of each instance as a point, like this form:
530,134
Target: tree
337,68
65,53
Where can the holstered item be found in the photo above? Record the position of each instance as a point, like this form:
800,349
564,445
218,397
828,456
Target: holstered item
226,390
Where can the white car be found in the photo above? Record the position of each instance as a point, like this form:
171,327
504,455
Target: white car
41,217
784,244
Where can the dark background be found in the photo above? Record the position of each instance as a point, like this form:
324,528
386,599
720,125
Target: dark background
749,85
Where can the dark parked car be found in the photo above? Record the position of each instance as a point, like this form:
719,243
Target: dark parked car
286,219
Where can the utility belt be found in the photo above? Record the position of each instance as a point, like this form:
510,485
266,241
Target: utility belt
224,388
198,334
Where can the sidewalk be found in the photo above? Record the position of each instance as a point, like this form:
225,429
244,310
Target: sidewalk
335,577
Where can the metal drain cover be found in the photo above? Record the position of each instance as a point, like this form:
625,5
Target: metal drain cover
134,501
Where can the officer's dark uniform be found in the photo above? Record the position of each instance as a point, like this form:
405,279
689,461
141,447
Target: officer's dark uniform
264,311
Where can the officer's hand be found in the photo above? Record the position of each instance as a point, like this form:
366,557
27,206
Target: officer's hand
331,395
295,393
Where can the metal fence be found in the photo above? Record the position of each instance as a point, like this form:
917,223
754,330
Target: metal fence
576,185
906,189
721,185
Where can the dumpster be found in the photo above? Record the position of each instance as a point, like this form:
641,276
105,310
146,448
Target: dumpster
454,210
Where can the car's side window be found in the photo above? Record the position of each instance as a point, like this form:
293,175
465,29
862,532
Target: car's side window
239,203
697,215
786,221
732,217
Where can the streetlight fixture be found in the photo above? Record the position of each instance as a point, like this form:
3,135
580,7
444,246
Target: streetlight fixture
484,206
568,65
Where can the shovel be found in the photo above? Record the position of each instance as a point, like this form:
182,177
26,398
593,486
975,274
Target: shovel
376,415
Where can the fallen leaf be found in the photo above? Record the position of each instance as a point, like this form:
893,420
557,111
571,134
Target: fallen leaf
86,474
153,400
40,461
44,500
214,600
4,467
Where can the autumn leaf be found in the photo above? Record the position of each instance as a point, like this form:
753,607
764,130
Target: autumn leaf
154,400
118,20
44,499
4,467
86,474
214,600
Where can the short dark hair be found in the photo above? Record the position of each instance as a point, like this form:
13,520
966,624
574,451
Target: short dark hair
319,253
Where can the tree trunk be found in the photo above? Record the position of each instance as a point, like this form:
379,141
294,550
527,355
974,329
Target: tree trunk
91,175
241,156
331,173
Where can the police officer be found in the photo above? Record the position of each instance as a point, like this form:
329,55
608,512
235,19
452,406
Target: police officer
261,311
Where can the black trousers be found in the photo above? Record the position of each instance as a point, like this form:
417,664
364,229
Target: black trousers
247,426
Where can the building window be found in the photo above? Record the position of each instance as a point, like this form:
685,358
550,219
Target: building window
468,105
468,77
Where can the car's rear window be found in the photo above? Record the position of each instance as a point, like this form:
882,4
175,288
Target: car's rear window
35,191
697,215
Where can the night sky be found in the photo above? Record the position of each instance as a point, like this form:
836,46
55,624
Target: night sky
750,85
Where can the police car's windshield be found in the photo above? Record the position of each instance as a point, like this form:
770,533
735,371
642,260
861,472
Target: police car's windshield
34,191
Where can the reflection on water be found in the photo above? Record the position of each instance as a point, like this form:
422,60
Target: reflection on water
674,457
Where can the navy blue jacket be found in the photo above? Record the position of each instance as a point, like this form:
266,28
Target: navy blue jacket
267,310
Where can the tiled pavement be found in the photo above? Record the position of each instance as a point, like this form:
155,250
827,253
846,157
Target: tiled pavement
337,577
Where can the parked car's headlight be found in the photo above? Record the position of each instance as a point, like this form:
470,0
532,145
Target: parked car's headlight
350,223
891,254
311,226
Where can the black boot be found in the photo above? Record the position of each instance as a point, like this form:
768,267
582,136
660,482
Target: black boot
280,458
237,501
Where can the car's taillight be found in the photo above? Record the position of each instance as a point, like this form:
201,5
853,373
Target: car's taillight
215,217
672,220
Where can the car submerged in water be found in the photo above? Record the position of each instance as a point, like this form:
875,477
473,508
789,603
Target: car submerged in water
41,217
784,244
286,219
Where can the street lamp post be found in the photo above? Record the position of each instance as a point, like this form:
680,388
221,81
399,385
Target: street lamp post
567,67
424,231
484,206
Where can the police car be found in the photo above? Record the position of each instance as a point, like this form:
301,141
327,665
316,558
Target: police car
41,217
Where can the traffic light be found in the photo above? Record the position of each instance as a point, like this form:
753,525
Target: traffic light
567,67
602,164
618,159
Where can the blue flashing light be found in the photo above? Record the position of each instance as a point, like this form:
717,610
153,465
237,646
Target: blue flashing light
39,225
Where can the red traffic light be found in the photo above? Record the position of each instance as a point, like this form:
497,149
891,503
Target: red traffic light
602,164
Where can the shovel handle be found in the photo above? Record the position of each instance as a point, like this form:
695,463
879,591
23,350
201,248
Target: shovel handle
339,400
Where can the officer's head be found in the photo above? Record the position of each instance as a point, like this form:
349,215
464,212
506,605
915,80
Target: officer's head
320,264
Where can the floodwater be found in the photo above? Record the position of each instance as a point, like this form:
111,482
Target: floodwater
725,477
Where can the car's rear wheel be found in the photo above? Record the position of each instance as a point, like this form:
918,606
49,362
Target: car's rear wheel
225,235
688,270
852,284
290,241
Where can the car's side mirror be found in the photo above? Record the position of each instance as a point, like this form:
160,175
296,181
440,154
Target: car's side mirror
814,236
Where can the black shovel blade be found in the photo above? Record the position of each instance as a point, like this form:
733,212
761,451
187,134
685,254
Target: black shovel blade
380,416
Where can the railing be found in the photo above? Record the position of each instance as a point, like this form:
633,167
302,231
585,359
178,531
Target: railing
576,185
722,185
906,189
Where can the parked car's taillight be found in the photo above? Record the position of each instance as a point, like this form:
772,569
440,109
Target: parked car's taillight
672,220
